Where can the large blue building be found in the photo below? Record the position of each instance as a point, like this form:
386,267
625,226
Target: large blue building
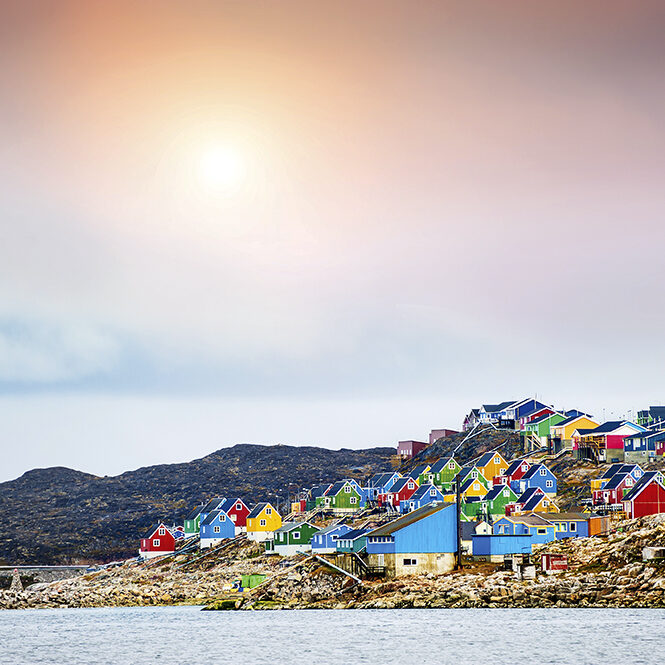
422,541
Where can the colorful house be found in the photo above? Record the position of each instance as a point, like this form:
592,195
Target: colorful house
613,490
493,413
443,472
212,504
514,472
540,529
605,442
471,420
325,540
570,525
424,541
536,414
192,522
217,526
643,447
291,538
237,511
647,497
409,449
491,465
653,417
474,487
562,433
494,547
421,497
353,541
420,474
532,500
496,500
540,427
159,541
344,496
313,496
380,483
263,520
537,475
402,490
516,412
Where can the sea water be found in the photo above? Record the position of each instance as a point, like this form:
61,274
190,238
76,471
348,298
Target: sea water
186,635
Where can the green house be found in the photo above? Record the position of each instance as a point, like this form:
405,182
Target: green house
472,508
540,427
352,541
343,496
291,538
420,474
497,499
442,473
315,496
192,522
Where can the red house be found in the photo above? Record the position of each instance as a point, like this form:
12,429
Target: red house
158,542
515,471
647,497
237,511
614,489
402,490
408,449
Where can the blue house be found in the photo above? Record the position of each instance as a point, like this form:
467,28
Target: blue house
213,504
353,541
380,483
421,497
422,541
494,547
217,526
537,476
569,525
642,446
325,541
540,529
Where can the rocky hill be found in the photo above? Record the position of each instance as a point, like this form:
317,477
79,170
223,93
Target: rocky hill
59,515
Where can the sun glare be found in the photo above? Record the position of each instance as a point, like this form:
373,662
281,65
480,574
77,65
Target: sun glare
221,168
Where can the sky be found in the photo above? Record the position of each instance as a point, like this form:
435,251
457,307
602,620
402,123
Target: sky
336,223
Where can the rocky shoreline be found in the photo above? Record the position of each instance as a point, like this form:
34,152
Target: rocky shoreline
603,572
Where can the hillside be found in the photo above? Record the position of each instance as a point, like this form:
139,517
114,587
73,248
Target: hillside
59,515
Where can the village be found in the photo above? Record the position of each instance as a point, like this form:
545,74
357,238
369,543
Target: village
425,520
433,532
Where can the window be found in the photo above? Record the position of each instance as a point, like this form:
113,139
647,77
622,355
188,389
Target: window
546,503
353,500
474,474
549,483
162,531
262,523
506,493
409,562
155,542
432,492
476,486
497,460
629,482
573,526
268,511
451,465
233,517
333,538
296,535
541,530
410,485
543,472
215,529
238,506
347,489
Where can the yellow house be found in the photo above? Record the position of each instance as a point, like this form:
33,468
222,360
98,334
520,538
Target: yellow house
564,430
262,521
492,465
474,487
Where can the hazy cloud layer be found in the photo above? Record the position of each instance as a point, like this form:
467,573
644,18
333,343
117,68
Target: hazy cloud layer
451,202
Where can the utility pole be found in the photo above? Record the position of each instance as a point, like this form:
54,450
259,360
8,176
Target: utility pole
458,511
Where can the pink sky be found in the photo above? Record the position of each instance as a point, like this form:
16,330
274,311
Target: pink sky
436,205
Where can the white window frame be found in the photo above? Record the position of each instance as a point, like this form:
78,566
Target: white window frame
268,511
162,531
262,523
353,500
215,529
347,489
156,542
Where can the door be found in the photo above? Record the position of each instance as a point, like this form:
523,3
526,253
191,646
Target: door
380,560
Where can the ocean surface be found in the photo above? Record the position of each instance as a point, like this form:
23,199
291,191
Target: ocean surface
166,635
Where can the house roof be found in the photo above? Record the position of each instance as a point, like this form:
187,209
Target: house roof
354,534
408,519
533,502
468,482
532,519
400,483
290,526
656,412
616,480
423,491
258,509
514,467
332,528
493,408
571,419
230,503
194,513
496,491
154,528
608,427
614,468
486,458
441,464
535,471
420,469
380,479
542,419
529,493
336,488
569,517
642,483
213,504
319,490
212,516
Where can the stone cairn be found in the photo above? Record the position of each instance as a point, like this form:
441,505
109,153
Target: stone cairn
17,585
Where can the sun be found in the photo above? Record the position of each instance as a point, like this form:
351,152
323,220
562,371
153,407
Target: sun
221,168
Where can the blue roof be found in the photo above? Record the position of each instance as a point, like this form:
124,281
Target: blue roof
211,517
424,491
213,504
496,491
441,464
645,480
420,469
616,480
535,471
354,534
